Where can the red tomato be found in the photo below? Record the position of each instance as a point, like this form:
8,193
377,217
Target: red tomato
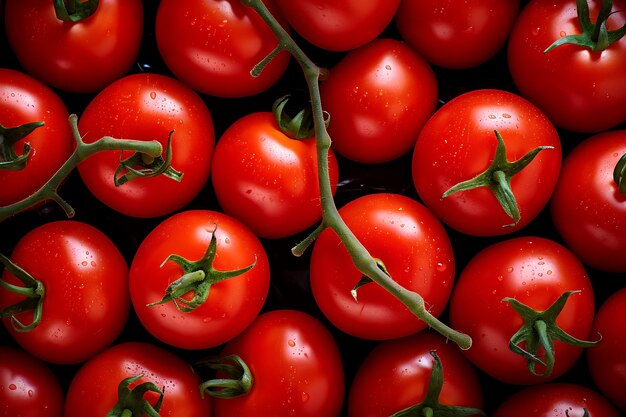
295,364
86,299
588,209
456,35
24,100
556,400
396,374
213,45
379,97
416,251
607,361
267,180
93,391
148,107
82,57
28,388
339,25
535,271
458,143
578,89
231,305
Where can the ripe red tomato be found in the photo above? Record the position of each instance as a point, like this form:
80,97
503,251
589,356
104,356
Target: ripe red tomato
416,251
339,25
578,89
536,272
83,56
93,390
607,361
86,299
456,35
213,45
28,388
24,100
148,107
401,369
458,143
267,180
231,305
556,400
587,208
295,364
379,97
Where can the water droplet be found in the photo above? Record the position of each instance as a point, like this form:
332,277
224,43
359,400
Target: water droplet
388,67
227,241
12,387
291,342
562,33
492,116
93,263
152,95
30,393
84,263
549,272
305,397
506,115
441,266
509,269
500,277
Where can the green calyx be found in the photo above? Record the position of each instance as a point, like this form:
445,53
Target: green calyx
141,165
430,406
131,402
33,291
539,331
74,10
301,126
238,380
498,178
198,277
367,280
619,174
593,36
9,159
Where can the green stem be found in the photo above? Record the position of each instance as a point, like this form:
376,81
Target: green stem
330,215
49,191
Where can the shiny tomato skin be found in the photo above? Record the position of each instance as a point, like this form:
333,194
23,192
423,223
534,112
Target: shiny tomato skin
379,97
416,251
339,25
579,90
232,304
28,388
556,400
23,99
535,271
81,57
93,390
267,180
147,107
607,360
86,300
401,369
458,143
456,35
296,366
587,208
213,45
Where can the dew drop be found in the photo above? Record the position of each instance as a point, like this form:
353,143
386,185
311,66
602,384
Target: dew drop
12,387
291,342
562,33
305,397
506,115
441,266
152,95
492,116
30,393
84,263
509,269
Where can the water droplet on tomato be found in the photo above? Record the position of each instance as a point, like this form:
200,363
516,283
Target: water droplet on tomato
12,387
291,342
441,266
152,95
305,397
509,269
30,393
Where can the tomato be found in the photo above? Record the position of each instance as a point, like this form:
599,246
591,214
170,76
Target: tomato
415,250
213,45
556,400
458,143
339,26
86,301
24,100
295,365
267,180
93,390
578,89
28,388
401,369
83,56
231,305
379,97
456,35
587,208
607,361
148,107
534,271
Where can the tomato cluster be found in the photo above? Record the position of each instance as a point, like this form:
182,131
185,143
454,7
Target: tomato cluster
476,166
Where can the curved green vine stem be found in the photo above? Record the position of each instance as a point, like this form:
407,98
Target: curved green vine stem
49,191
363,261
